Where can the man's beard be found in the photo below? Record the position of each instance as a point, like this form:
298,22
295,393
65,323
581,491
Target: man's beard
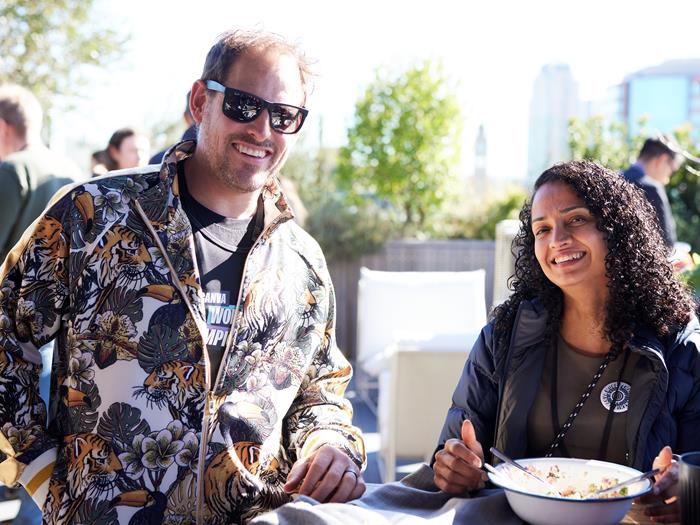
241,177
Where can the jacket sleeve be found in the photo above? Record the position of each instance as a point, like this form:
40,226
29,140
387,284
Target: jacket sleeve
320,414
33,295
476,395
688,389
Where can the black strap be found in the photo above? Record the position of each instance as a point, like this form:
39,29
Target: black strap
554,395
579,406
603,449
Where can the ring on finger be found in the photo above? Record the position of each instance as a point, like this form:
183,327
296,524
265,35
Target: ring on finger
350,471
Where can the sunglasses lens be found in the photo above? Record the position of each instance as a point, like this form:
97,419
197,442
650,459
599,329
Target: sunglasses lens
242,107
286,119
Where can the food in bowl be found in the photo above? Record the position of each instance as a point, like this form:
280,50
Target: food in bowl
581,487
576,480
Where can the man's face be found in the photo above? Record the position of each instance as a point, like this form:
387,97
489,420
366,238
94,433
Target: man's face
245,155
661,168
7,138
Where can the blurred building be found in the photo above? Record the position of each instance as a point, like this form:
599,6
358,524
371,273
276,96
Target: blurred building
668,95
480,173
554,102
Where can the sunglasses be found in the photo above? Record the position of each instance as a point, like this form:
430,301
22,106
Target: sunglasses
240,106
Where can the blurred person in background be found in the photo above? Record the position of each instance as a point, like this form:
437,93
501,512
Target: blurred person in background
127,148
30,173
595,355
657,161
98,159
189,134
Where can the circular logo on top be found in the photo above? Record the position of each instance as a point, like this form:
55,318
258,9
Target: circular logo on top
621,396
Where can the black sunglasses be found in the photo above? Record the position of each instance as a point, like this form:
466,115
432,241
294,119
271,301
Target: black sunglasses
246,107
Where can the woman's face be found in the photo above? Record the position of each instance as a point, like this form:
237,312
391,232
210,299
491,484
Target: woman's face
568,246
132,152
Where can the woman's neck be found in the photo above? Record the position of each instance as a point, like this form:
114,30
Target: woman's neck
583,323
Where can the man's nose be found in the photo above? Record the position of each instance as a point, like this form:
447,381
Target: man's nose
260,127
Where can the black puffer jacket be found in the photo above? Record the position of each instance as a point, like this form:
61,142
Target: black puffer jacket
499,384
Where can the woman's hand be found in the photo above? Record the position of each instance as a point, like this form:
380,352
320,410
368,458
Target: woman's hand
663,499
457,467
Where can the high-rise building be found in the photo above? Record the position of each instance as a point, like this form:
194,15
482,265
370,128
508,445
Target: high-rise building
554,102
480,174
667,95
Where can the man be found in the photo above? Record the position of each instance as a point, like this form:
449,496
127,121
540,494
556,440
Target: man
656,163
198,380
30,174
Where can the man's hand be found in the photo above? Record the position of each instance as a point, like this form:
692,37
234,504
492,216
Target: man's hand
457,467
663,498
327,475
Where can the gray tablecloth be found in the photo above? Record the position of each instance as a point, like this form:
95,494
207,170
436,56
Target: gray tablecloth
414,499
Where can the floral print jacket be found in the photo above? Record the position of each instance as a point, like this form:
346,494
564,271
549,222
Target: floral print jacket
134,427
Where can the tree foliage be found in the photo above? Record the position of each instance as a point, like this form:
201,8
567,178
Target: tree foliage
614,148
478,219
610,146
43,43
403,144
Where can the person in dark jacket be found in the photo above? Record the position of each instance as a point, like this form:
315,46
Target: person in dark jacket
595,354
652,172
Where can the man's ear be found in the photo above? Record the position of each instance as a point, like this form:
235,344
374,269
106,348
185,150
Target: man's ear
198,99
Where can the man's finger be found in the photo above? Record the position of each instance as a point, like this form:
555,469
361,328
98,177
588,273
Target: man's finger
318,466
346,487
330,481
295,475
359,489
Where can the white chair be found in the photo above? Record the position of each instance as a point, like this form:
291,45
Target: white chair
427,310
414,396
414,332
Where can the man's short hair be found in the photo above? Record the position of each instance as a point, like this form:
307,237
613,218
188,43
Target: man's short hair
21,110
655,147
232,44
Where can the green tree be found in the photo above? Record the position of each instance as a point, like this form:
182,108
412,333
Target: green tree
612,147
403,144
608,145
43,43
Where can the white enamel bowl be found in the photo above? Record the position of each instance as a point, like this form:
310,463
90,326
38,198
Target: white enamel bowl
528,501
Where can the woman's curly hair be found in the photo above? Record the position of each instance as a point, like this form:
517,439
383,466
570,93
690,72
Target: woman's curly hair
643,289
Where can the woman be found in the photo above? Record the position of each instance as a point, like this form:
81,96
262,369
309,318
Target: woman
126,149
595,354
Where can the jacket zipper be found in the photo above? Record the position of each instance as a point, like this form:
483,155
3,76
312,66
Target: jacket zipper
209,410
202,327
502,385
654,355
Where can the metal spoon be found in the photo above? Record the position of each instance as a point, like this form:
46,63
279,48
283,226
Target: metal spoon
500,455
630,481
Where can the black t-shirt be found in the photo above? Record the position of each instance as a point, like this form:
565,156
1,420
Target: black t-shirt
222,245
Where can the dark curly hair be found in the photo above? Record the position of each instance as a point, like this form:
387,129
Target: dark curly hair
643,288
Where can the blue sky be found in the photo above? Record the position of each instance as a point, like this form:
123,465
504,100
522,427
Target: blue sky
492,50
